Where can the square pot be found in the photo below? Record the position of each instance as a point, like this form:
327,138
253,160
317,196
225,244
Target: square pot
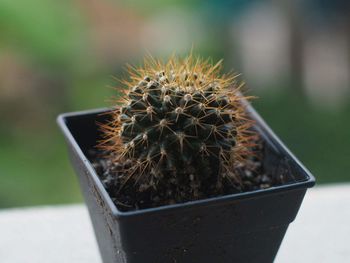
244,227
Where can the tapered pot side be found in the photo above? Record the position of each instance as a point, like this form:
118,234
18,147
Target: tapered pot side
244,227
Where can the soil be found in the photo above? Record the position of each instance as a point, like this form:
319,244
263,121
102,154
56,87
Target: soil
253,176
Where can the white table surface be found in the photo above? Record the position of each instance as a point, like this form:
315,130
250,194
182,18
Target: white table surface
63,234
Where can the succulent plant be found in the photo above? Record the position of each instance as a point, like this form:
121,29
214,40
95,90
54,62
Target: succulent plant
179,122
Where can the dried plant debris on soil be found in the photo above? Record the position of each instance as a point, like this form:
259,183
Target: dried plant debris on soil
180,189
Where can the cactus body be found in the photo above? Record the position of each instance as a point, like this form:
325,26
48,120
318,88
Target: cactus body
179,121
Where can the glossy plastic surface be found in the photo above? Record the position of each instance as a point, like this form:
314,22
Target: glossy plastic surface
247,227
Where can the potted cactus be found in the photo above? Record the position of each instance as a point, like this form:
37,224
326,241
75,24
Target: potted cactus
182,169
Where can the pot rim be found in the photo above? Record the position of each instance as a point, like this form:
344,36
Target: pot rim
260,123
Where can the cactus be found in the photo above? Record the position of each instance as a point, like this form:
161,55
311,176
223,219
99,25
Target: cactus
180,122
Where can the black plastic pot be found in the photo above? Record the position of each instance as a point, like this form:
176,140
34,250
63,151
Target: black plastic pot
246,227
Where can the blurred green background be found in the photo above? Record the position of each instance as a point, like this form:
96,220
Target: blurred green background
59,56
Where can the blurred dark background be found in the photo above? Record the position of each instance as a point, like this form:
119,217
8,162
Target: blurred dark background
59,56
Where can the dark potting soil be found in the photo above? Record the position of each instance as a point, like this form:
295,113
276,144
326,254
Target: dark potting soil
253,176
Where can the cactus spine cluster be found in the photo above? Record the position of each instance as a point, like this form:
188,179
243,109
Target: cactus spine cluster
180,120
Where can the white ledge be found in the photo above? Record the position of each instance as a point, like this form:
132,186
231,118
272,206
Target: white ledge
320,233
